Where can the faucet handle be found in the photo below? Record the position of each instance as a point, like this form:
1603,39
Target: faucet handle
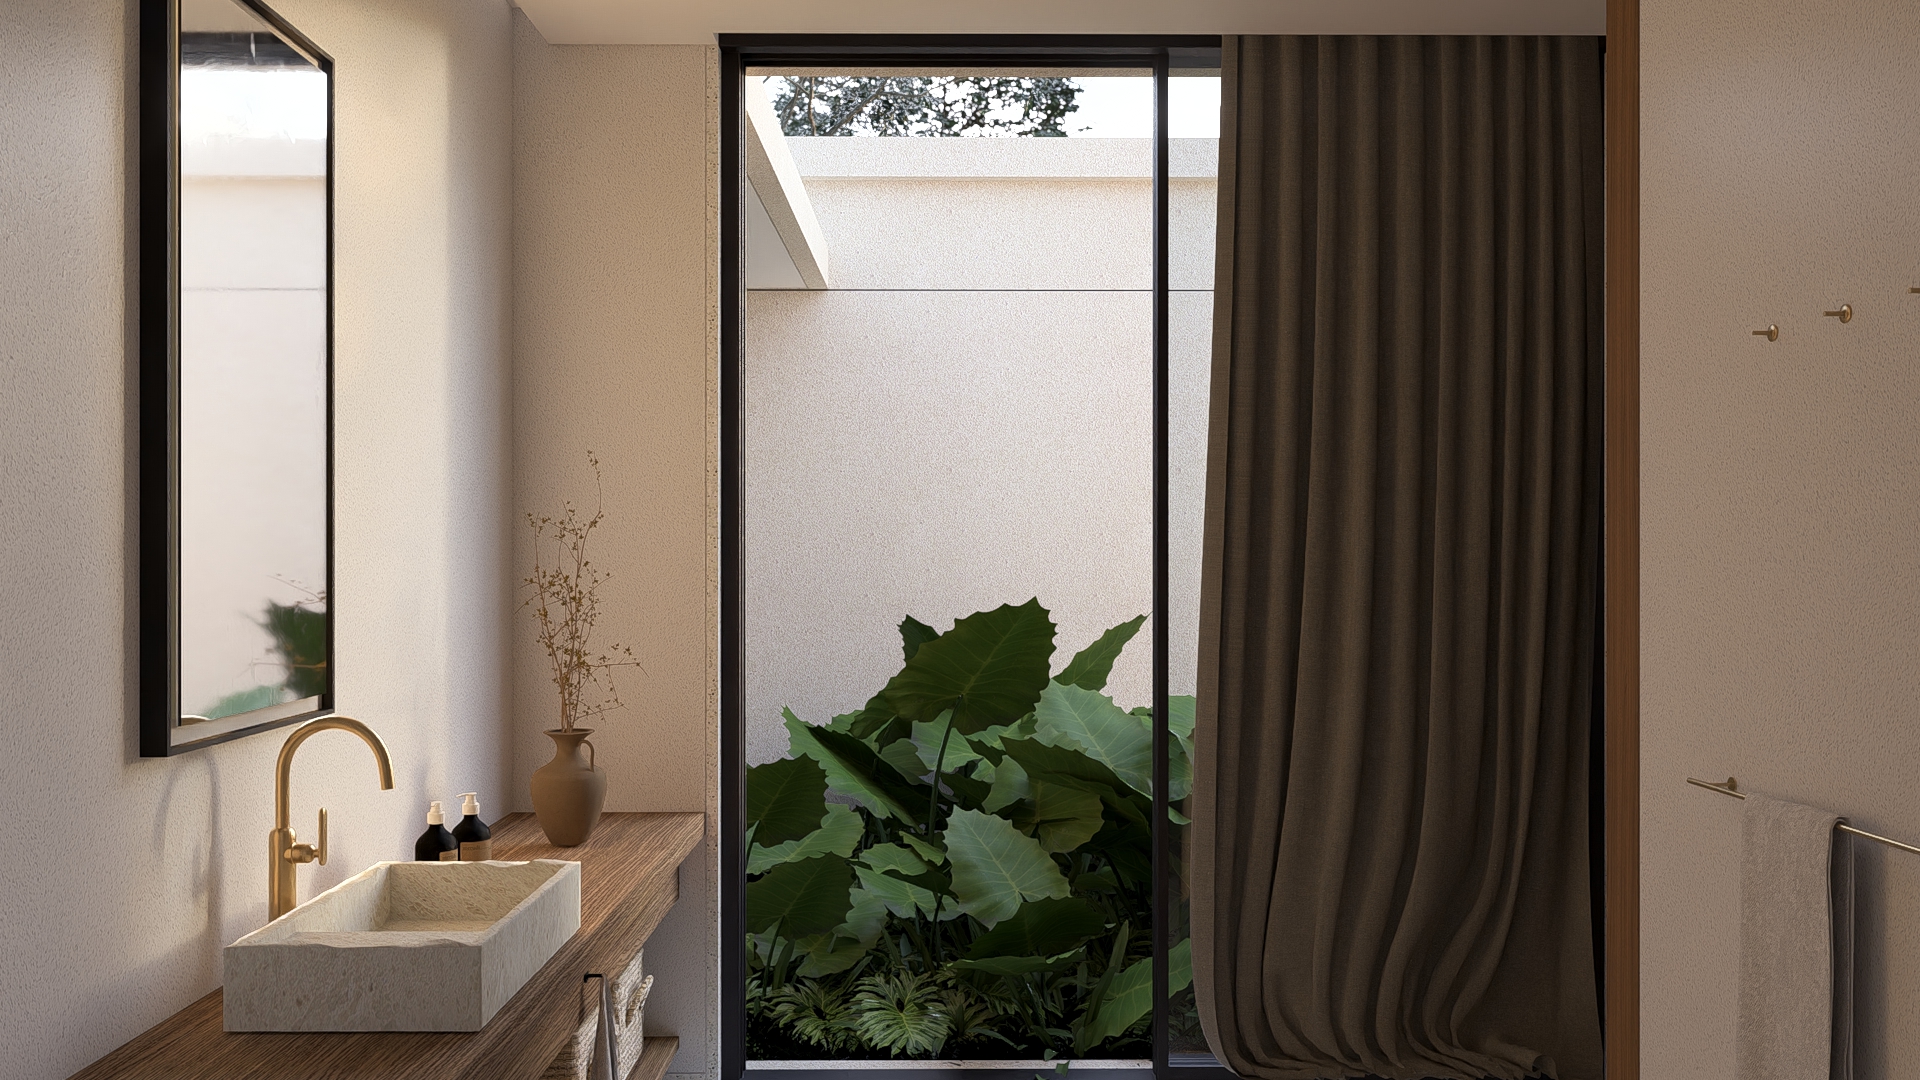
306,853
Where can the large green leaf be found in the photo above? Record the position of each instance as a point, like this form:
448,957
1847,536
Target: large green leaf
995,866
838,833
967,791
905,759
1009,785
1089,721
1180,708
1129,850
913,634
989,669
1096,997
853,769
927,737
930,879
1179,771
1039,759
827,954
987,739
1016,965
868,720
831,953
785,799
866,918
898,857
1091,666
903,898
903,879
1062,817
1102,880
927,849
802,898
1040,928
1071,767
1130,996
895,729
1179,750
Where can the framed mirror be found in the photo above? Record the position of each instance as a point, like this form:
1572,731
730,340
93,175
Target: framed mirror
236,355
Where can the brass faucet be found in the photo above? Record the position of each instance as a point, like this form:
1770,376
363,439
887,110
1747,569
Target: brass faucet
283,854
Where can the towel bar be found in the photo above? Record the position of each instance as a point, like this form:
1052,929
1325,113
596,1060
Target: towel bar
1732,787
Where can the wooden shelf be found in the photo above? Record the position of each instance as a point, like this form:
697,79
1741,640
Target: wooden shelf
656,1053
628,879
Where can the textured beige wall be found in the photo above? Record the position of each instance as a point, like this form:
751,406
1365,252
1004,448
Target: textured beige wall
126,876
615,235
1782,486
965,418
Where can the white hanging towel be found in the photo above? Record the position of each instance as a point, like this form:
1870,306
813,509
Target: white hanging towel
1796,943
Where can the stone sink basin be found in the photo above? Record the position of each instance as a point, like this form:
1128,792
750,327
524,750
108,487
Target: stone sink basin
404,946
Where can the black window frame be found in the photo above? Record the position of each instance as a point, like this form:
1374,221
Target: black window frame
738,52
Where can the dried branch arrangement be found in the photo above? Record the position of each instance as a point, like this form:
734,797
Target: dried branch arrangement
564,593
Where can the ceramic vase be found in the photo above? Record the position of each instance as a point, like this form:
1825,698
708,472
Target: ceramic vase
569,791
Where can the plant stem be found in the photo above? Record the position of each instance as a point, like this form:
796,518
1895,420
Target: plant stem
777,962
939,759
933,816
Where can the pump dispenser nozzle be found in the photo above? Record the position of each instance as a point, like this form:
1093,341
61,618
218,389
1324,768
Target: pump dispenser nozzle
436,844
476,840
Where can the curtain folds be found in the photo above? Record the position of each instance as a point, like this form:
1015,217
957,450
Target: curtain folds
1390,851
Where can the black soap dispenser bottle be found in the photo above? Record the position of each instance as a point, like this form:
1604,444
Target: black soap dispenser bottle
436,844
476,840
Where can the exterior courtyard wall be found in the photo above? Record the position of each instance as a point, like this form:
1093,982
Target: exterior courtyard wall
965,418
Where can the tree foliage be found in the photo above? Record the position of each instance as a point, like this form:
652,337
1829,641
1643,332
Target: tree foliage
921,105
996,892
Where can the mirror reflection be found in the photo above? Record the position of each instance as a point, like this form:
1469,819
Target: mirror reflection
253,372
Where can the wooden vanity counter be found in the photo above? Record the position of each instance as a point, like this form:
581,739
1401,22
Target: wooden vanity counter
628,879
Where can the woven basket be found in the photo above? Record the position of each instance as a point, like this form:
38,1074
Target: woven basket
630,989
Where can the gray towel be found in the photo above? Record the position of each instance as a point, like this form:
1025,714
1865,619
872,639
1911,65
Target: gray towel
1796,944
606,1046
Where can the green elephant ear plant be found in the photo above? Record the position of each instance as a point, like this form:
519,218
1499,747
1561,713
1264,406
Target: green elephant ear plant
963,867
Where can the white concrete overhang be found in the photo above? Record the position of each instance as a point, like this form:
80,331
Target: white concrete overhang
785,248
677,22
999,158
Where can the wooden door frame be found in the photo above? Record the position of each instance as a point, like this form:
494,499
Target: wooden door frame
1621,666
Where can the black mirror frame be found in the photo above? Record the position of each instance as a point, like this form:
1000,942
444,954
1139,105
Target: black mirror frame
159,380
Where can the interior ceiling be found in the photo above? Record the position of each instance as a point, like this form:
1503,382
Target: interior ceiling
695,22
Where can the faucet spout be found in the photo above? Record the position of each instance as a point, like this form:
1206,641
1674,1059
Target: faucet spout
283,853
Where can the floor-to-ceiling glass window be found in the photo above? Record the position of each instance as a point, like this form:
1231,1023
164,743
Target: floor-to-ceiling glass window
946,528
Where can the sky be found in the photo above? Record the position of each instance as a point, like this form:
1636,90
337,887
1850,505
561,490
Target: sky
1121,107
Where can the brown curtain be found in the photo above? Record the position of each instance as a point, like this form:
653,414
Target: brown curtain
1389,858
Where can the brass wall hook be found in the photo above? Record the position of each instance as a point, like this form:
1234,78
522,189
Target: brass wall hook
1845,314
1771,333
